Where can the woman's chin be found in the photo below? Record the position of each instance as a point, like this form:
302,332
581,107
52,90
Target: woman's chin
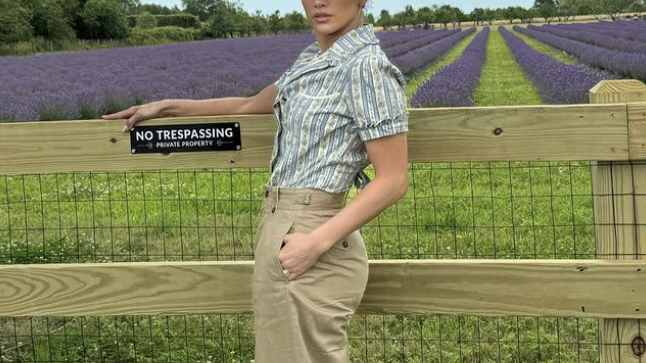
325,29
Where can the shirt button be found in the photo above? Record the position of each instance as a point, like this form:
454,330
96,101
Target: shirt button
345,244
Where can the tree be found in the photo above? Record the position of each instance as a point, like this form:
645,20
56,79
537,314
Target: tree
547,12
295,22
14,22
490,15
385,19
409,15
152,9
477,15
425,16
369,19
639,6
525,15
444,15
242,22
146,21
539,3
509,13
399,20
129,7
566,9
104,19
53,19
259,24
203,9
276,24
457,16
222,19
611,8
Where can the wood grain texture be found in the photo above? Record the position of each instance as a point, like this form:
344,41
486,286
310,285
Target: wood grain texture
575,132
620,212
482,287
637,130
624,340
572,132
620,209
96,145
618,91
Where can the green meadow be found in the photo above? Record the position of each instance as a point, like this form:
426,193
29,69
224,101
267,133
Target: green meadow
502,210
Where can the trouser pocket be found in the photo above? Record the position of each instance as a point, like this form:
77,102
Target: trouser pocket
277,242
271,233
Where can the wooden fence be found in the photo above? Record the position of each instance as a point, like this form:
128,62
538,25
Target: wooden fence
610,130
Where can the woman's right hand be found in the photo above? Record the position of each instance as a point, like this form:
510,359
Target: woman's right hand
137,113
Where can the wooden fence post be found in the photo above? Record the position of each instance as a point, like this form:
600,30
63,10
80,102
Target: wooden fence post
619,190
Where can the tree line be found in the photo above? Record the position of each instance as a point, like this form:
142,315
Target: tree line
549,10
55,20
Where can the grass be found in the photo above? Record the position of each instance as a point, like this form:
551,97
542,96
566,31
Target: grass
451,211
503,82
544,48
497,210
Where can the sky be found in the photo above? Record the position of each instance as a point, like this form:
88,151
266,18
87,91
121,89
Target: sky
393,6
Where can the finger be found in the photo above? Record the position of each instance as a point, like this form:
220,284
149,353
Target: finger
130,123
119,115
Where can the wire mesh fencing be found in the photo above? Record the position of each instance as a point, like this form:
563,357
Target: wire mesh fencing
510,210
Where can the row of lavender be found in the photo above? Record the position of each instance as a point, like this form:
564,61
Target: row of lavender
595,36
454,85
87,84
400,49
413,62
628,64
557,82
620,30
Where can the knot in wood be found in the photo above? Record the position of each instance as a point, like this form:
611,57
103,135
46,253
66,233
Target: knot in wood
497,131
639,346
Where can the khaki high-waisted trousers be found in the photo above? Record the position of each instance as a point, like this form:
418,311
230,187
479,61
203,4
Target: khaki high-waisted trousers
305,320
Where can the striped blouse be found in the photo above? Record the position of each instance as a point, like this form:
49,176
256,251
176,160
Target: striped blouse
328,105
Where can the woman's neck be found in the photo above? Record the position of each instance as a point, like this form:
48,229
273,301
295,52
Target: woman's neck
326,40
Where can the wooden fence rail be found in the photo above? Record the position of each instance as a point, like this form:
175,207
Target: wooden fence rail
611,131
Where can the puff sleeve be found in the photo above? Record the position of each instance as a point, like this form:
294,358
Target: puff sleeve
377,98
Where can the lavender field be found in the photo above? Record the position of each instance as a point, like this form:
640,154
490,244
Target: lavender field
85,85
452,210
627,64
557,82
454,84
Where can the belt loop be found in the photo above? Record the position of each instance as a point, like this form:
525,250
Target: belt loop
305,199
277,199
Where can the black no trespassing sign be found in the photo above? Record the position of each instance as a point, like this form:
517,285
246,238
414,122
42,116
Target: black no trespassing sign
224,136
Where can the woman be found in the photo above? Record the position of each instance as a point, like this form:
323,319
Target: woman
341,106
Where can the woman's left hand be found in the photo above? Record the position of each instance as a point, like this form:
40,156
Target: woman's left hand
299,253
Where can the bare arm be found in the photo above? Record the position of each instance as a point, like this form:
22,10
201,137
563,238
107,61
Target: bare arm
261,103
389,156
